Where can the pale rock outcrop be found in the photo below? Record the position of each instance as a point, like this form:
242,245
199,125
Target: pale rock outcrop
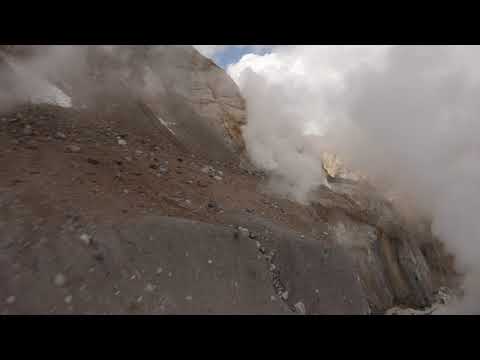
210,97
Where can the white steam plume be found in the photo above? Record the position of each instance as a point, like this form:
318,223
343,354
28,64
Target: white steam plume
33,69
291,97
38,71
405,115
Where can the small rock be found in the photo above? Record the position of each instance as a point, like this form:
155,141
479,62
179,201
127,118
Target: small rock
212,204
210,261
284,295
87,239
189,298
170,274
218,178
272,267
138,152
59,280
121,142
73,148
150,287
244,231
128,158
300,307
93,161
31,146
10,300
98,255
27,130
202,183
139,299
159,270
273,298
206,169
302,236
60,135
68,299
220,173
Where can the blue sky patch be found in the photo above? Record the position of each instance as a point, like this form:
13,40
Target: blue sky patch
231,54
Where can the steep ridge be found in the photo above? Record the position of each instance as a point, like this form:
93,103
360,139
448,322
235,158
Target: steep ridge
135,200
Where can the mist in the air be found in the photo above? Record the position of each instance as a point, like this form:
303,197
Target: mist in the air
406,116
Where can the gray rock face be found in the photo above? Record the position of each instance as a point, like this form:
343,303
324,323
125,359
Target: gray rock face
222,274
319,274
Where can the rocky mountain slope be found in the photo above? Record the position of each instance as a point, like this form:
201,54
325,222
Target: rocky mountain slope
137,197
